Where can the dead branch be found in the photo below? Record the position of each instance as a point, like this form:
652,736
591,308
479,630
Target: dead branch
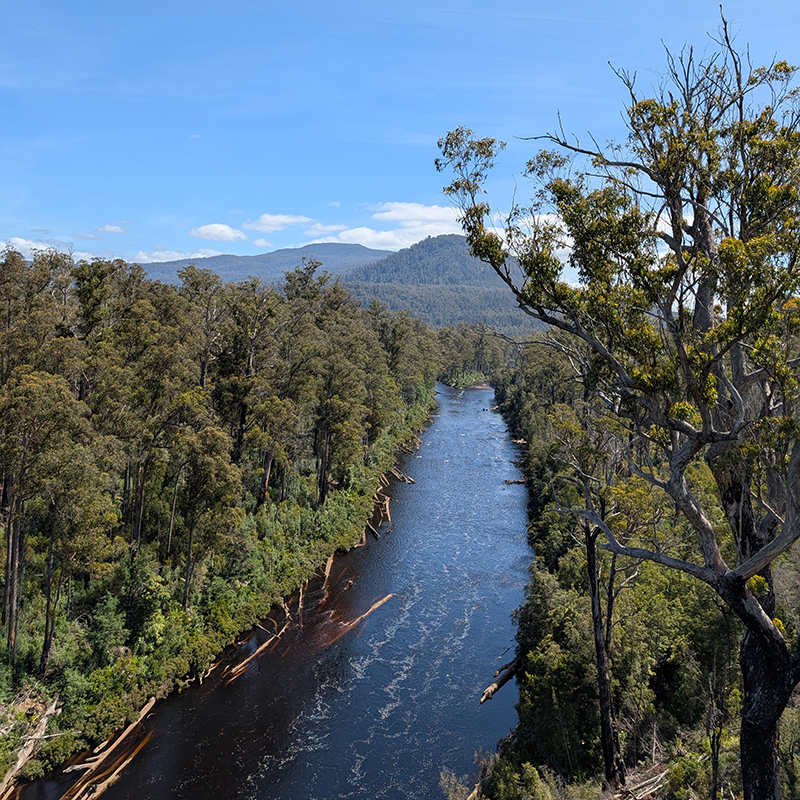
508,672
7,787
400,476
325,588
81,788
241,668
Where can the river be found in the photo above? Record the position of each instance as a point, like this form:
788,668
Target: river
375,709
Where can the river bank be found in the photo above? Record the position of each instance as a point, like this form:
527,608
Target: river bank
374,687
126,685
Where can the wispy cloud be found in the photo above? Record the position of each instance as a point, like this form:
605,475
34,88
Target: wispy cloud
270,223
90,237
112,229
412,223
218,232
27,247
411,214
318,229
161,254
262,243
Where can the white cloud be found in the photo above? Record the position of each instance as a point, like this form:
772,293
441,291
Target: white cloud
112,229
269,223
262,243
160,254
27,247
413,223
335,203
369,237
409,214
92,237
318,229
218,232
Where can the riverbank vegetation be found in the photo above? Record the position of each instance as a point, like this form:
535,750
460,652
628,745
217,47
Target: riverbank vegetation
174,460
669,477
669,644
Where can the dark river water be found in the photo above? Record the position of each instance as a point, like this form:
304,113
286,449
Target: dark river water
375,709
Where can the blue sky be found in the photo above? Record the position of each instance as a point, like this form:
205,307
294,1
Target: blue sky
158,130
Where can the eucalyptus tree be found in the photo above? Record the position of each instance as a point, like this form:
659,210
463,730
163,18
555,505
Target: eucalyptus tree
33,297
205,291
41,421
684,240
250,336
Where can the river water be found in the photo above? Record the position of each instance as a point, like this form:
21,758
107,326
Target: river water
376,708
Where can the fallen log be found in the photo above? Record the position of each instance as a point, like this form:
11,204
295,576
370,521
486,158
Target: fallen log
79,788
400,476
26,751
346,626
508,672
300,604
95,790
325,588
372,528
240,668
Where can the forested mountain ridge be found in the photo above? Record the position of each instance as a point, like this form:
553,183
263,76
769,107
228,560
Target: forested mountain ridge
269,267
436,260
436,279
440,282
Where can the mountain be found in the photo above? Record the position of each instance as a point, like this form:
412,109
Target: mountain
435,260
336,258
436,279
439,281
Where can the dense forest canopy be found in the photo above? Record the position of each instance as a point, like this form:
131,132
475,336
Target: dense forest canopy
173,460
683,332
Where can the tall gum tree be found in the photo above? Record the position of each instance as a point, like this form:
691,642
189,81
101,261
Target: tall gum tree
684,239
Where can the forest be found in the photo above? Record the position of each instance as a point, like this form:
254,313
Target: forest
174,460
659,642
177,458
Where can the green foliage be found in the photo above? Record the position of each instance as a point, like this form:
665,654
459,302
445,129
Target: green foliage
673,644
666,263
174,461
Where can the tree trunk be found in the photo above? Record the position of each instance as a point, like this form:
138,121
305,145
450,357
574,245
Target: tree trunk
323,456
241,428
14,579
9,558
262,490
609,741
138,508
49,616
768,684
172,509
188,570
284,483
768,674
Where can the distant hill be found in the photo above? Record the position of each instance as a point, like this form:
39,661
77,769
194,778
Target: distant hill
336,258
439,281
435,260
436,279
